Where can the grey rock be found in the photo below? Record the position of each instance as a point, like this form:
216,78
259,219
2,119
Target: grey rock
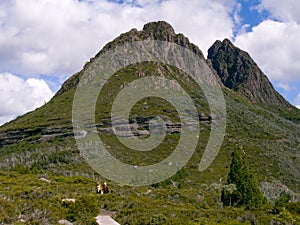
65,222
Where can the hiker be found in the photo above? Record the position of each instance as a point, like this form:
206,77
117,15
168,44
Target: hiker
99,189
105,188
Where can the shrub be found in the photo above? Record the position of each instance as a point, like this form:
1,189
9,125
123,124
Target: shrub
6,211
284,198
84,209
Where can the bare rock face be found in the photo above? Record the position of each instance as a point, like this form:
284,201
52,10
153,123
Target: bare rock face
239,72
37,134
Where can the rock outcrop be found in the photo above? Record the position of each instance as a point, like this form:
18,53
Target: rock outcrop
37,134
238,71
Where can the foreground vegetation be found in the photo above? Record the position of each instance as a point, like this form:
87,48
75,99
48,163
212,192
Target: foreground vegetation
38,195
31,199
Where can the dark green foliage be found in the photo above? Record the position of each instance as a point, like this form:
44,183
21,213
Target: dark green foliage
85,208
284,198
247,190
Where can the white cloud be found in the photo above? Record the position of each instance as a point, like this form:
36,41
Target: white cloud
275,47
287,10
142,3
57,37
18,96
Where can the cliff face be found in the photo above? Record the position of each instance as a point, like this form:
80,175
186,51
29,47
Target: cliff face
239,72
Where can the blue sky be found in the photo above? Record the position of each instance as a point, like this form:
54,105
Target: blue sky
43,42
250,15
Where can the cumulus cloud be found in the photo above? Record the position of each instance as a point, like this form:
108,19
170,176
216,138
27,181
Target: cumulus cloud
274,46
18,96
287,10
57,37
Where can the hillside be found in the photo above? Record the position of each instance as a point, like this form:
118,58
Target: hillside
41,144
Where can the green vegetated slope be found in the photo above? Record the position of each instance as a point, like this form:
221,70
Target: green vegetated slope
41,164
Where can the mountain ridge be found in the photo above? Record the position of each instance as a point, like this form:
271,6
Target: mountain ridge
233,67
220,54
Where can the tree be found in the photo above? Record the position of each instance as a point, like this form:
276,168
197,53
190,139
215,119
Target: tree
247,190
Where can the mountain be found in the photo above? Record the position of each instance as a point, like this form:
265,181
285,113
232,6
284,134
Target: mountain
239,72
41,164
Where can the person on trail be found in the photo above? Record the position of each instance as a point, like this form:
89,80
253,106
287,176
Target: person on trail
105,188
99,188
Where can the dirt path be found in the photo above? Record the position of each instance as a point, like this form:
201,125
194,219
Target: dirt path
106,220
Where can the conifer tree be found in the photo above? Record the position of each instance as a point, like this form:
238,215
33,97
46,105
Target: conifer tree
247,189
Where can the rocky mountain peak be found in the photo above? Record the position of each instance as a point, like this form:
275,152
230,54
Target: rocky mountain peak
238,71
159,30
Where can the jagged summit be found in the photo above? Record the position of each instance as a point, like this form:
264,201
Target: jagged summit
159,27
159,30
238,71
